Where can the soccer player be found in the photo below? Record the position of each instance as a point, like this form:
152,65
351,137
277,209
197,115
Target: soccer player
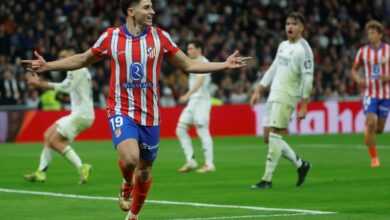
136,50
78,84
291,78
197,112
375,58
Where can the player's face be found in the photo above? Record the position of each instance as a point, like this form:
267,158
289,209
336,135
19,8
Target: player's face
143,12
192,51
294,29
374,36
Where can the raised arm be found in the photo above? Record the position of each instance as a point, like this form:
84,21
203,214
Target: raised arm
182,61
74,62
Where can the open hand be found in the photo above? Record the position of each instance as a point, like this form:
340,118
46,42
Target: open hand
38,65
235,61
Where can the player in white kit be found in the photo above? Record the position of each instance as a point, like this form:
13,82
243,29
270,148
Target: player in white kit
197,112
79,85
291,79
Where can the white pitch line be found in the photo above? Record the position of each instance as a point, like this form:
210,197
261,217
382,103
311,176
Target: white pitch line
243,216
315,212
358,146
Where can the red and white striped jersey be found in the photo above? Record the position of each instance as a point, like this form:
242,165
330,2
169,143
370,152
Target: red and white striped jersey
376,63
135,69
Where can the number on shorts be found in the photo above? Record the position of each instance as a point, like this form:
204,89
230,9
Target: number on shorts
116,122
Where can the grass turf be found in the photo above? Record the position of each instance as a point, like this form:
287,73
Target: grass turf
340,180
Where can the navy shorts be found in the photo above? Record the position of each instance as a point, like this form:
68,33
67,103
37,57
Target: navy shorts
380,107
124,127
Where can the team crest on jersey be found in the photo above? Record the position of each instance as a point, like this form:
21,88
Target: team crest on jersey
151,51
118,132
308,64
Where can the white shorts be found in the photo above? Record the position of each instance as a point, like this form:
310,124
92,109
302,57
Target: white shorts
196,112
70,126
277,115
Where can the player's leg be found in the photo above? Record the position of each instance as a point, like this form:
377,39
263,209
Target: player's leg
45,158
185,121
125,137
143,181
68,128
148,145
266,131
207,144
370,138
202,122
128,152
371,110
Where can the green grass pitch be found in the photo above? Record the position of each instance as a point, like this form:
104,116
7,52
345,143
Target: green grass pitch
340,181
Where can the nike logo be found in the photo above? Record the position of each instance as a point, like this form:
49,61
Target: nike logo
120,52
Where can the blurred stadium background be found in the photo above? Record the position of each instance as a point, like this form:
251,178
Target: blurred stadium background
341,181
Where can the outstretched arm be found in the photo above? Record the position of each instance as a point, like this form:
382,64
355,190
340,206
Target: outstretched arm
76,61
195,66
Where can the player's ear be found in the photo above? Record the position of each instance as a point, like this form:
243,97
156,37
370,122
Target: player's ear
130,11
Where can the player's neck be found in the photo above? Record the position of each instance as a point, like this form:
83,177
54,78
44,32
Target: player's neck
134,28
376,45
294,40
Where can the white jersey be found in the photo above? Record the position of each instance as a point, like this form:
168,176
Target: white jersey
291,73
203,91
78,84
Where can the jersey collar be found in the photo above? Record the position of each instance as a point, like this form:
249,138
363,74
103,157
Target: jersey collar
130,35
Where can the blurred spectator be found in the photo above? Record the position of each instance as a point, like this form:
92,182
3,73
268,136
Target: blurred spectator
33,101
10,91
334,30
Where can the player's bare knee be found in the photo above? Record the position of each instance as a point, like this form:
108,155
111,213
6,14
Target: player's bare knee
371,126
144,174
130,162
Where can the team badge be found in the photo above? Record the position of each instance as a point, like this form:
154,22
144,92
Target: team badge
118,132
308,64
151,51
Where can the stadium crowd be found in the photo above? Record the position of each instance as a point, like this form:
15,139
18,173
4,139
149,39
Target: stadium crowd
334,29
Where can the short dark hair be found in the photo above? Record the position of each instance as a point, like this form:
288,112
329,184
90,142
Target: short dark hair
125,4
297,16
197,43
376,25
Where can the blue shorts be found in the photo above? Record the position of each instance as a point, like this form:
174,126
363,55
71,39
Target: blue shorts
124,127
379,107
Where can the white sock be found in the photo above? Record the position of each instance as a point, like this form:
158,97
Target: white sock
289,153
72,157
274,153
185,141
45,159
207,143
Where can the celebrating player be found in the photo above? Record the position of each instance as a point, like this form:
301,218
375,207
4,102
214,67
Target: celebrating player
78,84
197,112
136,50
291,78
375,58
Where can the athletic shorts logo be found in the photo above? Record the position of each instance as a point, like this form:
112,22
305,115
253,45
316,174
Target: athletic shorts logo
118,132
136,71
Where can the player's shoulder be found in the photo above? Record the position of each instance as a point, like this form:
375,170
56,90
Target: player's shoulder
305,47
